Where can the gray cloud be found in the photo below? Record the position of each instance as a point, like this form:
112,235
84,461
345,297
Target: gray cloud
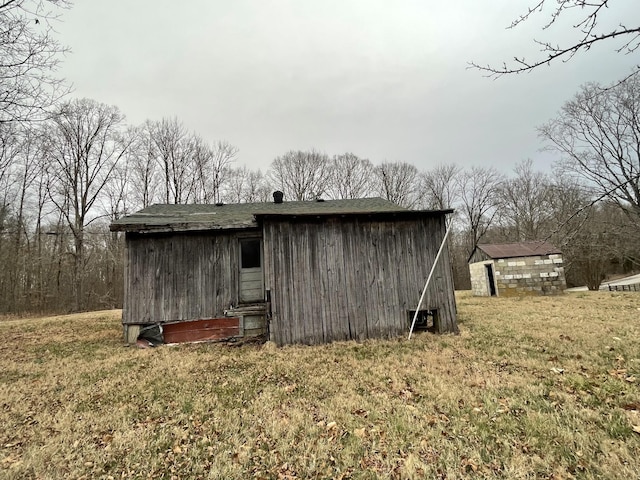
387,81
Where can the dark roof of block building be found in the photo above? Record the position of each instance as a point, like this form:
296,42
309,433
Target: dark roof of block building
513,250
198,217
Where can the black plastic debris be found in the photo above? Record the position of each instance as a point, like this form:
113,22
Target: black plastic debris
150,336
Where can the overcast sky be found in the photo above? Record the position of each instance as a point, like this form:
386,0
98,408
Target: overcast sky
385,80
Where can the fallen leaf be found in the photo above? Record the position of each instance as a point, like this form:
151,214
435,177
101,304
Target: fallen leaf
619,373
636,428
431,420
557,370
360,432
361,412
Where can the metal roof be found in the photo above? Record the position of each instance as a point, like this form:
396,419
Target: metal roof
524,249
166,218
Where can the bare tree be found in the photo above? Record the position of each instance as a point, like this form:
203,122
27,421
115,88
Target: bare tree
224,154
84,146
115,199
591,247
257,188
30,55
9,154
40,257
301,175
598,133
235,186
143,168
28,172
244,185
589,27
596,236
350,176
173,150
439,187
398,183
205,187
9,226
479,197
525,211
212,168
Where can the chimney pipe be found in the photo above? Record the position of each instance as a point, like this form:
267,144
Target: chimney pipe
278,196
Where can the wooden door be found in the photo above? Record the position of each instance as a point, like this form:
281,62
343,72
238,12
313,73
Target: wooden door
251,275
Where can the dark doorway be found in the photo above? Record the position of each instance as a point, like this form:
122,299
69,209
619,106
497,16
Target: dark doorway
492,285
427,320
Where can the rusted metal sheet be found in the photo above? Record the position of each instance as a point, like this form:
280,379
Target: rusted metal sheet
524,249
201,330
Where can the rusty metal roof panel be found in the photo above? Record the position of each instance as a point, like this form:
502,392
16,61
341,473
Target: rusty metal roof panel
524,249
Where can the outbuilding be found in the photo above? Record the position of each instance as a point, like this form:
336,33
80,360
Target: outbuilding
293,272
517,269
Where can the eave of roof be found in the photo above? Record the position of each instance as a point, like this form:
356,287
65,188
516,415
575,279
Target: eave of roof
516,250
184,218
389,214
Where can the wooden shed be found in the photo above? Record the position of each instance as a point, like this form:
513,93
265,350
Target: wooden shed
296,272
517,269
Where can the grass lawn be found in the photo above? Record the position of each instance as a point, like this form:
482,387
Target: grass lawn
531,388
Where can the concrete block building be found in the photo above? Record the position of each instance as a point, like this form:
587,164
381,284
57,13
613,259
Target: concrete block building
517,269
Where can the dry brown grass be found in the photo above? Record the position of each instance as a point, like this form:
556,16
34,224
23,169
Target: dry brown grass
532,388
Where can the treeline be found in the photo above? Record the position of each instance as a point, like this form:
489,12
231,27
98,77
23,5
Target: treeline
62,181
68,169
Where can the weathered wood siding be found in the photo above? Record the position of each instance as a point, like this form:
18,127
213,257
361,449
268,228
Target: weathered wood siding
350,278
180,276
251,284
